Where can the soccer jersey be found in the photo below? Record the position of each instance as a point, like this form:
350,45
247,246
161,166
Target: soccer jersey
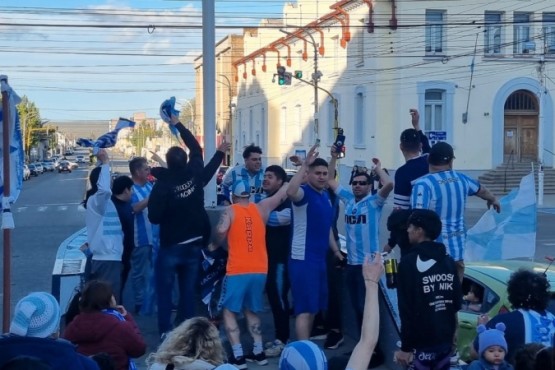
445,193
404,176
252,182
312,218
362,222
143,227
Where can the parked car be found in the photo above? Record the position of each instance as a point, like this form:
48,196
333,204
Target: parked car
26,173
48,166
33,169
64,166
80,159
490,279
39,167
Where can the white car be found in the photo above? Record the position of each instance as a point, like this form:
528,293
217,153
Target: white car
80,159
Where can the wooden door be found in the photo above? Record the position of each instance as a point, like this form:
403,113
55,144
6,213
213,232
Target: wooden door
510,139
520,138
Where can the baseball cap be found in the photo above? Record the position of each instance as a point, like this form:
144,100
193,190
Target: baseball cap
441,153
240,190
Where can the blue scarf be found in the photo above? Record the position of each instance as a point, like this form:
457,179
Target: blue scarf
113,312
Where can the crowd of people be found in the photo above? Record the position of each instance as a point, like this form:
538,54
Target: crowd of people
280,239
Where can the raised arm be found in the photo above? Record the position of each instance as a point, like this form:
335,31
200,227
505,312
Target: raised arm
98,202
223,226
215,162
267,205
385,179
488,196
294,192
415,120
195,150
332,182
362,353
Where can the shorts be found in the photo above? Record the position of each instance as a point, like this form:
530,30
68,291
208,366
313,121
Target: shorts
309,286
244,291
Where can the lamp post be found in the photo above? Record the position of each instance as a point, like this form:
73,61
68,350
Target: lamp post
230,114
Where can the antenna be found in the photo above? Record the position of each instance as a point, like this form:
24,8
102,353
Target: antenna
551,260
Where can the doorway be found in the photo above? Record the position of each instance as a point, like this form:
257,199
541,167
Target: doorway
520,136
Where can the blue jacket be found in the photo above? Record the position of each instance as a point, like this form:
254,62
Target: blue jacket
59,353
481,364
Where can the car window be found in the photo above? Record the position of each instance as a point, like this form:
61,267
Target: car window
477,297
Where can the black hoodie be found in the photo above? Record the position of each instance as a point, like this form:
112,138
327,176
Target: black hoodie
429,295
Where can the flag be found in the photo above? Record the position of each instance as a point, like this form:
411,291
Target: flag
16,145
167,109
107,140
510,233
213,271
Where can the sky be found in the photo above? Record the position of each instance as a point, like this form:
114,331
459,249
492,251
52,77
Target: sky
128,59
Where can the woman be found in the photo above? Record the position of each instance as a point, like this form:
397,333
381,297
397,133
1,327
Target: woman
103,326
193,345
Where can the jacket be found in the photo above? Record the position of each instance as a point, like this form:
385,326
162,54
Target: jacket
59,353
481,364
429,295
100,332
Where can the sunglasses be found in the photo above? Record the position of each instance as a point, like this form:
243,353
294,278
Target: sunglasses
361,183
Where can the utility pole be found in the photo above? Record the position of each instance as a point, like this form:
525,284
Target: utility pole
229,129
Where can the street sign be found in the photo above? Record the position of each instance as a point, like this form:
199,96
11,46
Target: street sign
437,136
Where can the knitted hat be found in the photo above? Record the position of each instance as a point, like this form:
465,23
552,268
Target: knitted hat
36,315
302,355
491,337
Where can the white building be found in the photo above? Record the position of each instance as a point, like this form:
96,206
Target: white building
381,58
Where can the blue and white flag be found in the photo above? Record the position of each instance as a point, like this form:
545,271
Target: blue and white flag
510,233
107,140
16,145
167,109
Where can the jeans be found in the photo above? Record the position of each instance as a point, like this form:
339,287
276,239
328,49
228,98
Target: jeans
184,261
357,290
277,289
140,265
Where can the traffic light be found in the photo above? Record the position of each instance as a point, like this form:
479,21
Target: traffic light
298,74
284,77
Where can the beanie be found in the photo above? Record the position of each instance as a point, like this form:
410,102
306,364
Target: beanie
36,315
302,355
491,337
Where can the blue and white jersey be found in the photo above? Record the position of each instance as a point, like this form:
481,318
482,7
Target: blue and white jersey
143,227
445,193
312,219
252,182
362,224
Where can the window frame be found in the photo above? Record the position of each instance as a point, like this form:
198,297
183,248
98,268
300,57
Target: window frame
490,45
548,31
518,29
433,104
433,26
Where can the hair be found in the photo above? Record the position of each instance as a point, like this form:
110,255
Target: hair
365,174
251,149
135,164
525,357
428,221
93,179
410,140
529,290
545,359
26,363
196,338
96,296
176,158
317,163
278,171
120,184
104,361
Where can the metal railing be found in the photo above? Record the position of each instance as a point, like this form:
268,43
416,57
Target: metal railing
511,162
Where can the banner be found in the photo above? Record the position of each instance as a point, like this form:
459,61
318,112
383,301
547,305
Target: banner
107,140
510,233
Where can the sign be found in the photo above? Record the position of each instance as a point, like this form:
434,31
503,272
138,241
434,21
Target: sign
437,136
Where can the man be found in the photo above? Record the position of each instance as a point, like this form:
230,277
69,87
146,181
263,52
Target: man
251,173
34,332
312,236
243,223
362,221
176,203
445,191
122,190
278,239
429,296
142,254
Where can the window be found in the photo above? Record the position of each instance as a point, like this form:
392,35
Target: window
331,119
434,110
521,34
492,34
283,126
434,32
549,33
359,118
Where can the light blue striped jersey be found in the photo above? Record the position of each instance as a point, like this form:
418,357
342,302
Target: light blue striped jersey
312,219
362,224
445,193
252,182
143,228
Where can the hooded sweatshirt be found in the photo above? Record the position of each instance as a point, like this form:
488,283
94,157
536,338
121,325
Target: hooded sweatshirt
97,332
429,295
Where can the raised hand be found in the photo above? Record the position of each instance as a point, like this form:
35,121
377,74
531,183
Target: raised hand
415,118
224,147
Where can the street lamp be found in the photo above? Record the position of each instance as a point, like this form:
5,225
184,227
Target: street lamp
229,106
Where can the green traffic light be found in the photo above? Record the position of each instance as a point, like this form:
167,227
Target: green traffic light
281,81
298,74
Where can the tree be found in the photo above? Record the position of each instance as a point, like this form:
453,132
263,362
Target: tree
187,115
29,117
141,133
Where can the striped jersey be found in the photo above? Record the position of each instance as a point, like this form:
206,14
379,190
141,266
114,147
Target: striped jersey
404,176
252,182
143,227
362,223
445,193
312,219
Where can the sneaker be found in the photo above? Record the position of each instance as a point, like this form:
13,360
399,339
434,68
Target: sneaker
318,333
238,362
260,358
333,340
274,349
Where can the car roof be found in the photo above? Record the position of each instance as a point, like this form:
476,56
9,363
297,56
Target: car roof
502,270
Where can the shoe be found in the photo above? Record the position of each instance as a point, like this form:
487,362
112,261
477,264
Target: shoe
333,340
238,362
318,333
274,349
260,358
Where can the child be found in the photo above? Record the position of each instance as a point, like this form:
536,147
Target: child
473,298
492,348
